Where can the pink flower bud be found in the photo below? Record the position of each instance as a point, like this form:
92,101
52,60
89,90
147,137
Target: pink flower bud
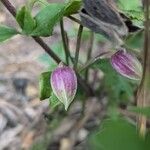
64,84
127,65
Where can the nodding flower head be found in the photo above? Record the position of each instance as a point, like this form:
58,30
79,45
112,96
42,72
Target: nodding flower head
127,65
64,84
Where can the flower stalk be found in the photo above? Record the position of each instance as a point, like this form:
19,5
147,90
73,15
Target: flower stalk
79,36
143,95
65,42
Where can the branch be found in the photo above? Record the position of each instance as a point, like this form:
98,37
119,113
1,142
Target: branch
78,46
143,95
47,49
9,7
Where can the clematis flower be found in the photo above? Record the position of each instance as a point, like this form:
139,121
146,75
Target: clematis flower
127,65
64,84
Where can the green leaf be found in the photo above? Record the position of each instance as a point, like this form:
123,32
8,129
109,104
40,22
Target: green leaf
135,40
25,20
116,85
73,6
140,110
54,102
133,9
6,32
47,18
20,16
44,85
117,135
129,5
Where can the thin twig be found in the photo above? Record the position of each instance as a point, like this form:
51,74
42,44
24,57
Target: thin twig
93,60
78,46
9,7
65,42
47,49
75,19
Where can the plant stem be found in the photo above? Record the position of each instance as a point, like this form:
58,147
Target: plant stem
47,49
91,42
64,40
143,95
93,60
9,7
78,46
75,20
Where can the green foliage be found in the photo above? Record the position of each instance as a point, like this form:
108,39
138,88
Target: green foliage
53,101
47,61
140,110
133,9
135,40
45,90
47,18
31,3
6,32
113,134
20,16
44,85
72,7
129,5
117,87
25,20
43,23
116,135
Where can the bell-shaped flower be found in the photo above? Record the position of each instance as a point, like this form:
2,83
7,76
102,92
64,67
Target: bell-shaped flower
127,65
64,84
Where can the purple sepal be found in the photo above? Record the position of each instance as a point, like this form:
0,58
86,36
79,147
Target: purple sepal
64,84
127,65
